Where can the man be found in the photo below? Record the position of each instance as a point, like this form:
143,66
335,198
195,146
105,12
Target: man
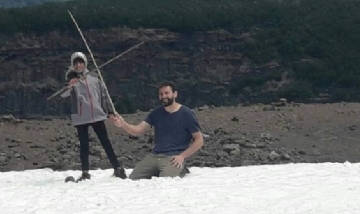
175,126
90,107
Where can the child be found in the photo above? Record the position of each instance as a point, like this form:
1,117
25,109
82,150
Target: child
89,107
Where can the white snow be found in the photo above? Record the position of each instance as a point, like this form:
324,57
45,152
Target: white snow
327,188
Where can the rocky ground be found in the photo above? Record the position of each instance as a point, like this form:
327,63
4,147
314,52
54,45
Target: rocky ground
235,136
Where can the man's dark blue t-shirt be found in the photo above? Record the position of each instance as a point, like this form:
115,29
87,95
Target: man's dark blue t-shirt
173,131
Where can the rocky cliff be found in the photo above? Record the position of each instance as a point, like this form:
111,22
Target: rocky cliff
303,51
203,65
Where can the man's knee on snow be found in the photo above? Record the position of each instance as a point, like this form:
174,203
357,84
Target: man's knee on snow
134,176
145,169
142,173
157,166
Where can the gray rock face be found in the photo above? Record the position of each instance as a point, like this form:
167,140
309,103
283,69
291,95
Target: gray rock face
40,65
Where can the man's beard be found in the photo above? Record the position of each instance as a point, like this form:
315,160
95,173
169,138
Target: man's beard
167,101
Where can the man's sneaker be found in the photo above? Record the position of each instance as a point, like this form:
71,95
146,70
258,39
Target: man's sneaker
187,171
120,173
184,172
84,176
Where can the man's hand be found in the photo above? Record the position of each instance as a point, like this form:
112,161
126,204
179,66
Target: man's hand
112,117
118,121
177,161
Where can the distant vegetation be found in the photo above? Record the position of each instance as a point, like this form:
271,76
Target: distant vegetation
316,41
24,3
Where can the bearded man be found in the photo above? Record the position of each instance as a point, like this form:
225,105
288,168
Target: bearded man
177,136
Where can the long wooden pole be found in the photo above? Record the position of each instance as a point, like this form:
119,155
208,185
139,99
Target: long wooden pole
97,67
92,57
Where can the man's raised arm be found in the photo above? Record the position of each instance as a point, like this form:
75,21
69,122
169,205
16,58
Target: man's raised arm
135,130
